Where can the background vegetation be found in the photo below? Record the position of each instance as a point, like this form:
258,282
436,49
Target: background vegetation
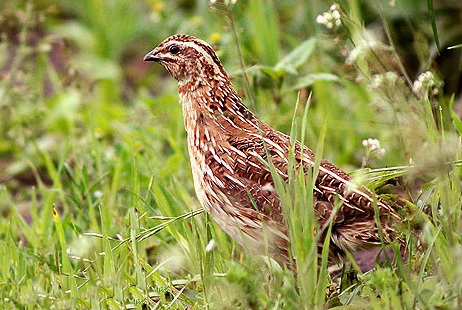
96,195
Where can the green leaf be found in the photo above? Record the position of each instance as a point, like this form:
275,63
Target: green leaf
275,74
431,11
456,121
78,33
309,79
454,46
264,20
270,71
297,57
63,109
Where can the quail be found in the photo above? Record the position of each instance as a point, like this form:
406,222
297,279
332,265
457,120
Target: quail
228,146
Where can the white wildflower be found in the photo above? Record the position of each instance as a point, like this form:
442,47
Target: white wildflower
381,152
320,19
336,16
417,86
426,81
331,19
377,81
372,144
373,147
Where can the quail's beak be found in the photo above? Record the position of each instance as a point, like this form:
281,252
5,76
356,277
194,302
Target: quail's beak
151,56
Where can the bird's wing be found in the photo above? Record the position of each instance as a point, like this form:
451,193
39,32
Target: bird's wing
337,200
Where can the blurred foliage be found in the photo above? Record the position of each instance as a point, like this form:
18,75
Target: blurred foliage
92,141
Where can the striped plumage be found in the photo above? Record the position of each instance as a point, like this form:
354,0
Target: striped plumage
226,143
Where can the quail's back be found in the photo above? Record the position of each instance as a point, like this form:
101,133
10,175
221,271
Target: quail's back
228,146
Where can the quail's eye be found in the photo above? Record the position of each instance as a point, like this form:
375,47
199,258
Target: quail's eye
174,49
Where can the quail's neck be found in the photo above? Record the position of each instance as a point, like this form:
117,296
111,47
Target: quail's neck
213,102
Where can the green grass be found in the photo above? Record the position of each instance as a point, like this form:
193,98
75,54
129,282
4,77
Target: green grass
96,194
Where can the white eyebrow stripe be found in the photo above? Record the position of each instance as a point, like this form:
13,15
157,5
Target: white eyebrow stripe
218,68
